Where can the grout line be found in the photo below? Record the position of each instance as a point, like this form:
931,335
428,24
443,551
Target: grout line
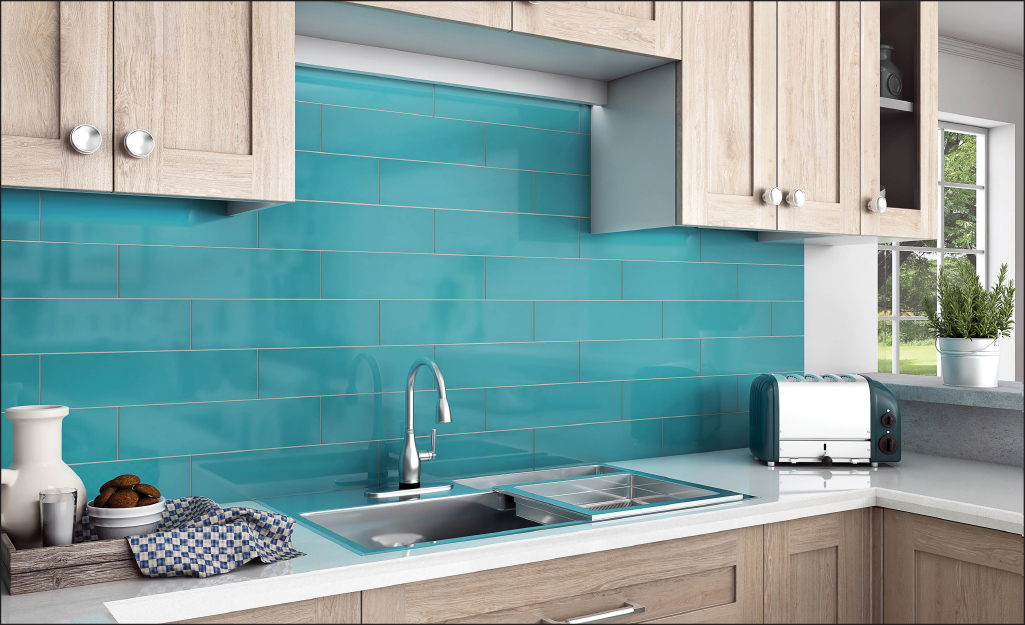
118,271
190,325
118,434
417,160
485,145
321,272
257,375
322,420
190,475
434,100
40,205
663,320
533,200
320,134
378,322
485,277
378,181
434,232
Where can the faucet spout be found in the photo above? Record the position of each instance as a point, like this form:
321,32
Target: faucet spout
409,468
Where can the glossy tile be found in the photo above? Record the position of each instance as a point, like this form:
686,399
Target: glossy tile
195,272
19,381
787,318
752,355
402,276
597,442
597,321
364,132
360,90
501,234
127,378
679,281
505,108
698,434
585,118
676,397
466,455
347,227
549,278
87,436
771,282
714,319
169,475
218,426
57,270
507,364
268,473
514,147
738,246
234,324
336,178
676,243
439,185
339,370
19,214
380,416
110,218
93,325
307,126
632,360
436,322
562,194
553,404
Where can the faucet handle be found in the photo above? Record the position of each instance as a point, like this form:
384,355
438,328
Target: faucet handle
430,455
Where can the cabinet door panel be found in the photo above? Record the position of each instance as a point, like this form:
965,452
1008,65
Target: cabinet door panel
819,114
728,114
213,82
492,14
56,75
651,28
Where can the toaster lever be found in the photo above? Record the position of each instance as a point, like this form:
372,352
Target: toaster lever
827,461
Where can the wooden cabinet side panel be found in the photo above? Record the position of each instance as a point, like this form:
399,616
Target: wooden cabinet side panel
273,58
927,115
334,609
491,14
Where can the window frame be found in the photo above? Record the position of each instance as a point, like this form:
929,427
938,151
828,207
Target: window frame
981,213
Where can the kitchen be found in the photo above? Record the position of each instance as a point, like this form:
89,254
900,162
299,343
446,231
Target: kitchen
623,246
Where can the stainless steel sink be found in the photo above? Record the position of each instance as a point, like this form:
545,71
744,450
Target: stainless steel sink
424,522
489,482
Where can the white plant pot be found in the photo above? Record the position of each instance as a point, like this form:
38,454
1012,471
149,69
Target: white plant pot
969,362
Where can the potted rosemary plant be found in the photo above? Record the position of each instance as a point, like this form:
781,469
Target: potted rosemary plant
968,322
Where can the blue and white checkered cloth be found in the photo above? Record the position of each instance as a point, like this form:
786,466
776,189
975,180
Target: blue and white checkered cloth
198,538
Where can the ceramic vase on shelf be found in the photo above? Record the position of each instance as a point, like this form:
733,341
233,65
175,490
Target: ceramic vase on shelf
36,465
891,79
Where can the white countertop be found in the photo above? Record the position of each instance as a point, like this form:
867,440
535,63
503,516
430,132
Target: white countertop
986,495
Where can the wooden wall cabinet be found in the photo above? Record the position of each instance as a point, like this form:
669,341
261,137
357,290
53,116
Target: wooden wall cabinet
490,14
212,82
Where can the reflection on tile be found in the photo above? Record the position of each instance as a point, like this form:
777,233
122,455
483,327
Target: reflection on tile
19,381
507,364
596,321
336,178
219,426
634,360
771,282
347,227
680,281
272,472
169,475
307,126
505,108
676,243
465,455
739,246
57,270
93,325
698,434
439,185
378,416
196,272
126,378
751,355
19,214
787,318
89,435
364,132
341,370
514,147
402,276
585,118
232,324
552,278
647,399
553,404
421,322
597,442
500,234
562,194
713,319
360,90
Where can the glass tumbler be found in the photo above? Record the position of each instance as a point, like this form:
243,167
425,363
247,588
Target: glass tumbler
57,515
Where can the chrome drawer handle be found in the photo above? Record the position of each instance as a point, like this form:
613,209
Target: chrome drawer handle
627,609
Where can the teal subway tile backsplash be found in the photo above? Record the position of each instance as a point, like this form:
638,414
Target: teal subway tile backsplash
266,353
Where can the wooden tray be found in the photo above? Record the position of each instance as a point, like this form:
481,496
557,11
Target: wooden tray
50,568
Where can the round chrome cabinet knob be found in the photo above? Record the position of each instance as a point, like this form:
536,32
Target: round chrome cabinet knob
877,205
85,139
772,196
796,198
139,143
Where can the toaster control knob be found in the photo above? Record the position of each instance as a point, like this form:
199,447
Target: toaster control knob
888,420
827,461
888,444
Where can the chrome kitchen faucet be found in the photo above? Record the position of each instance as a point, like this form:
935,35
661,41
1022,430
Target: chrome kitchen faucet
409,464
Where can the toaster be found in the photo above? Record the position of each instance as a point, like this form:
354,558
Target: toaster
824,419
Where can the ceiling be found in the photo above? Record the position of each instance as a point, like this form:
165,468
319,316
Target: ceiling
993,24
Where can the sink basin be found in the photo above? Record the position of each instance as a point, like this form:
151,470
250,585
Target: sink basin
425,522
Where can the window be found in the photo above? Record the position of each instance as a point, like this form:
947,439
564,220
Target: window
908,269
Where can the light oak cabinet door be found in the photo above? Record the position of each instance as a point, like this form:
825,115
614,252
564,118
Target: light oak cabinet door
711,578
819,115
213,83
333,609
937,571
491,14
727,113
818,569
56,75
651,28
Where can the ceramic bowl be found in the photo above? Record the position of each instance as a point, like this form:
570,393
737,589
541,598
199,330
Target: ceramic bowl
123,522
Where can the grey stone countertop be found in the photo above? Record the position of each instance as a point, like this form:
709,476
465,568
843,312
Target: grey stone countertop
1007,396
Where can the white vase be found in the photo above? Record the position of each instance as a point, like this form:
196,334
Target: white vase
36,465
969,362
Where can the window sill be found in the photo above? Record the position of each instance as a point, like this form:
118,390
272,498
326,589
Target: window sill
1007,396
